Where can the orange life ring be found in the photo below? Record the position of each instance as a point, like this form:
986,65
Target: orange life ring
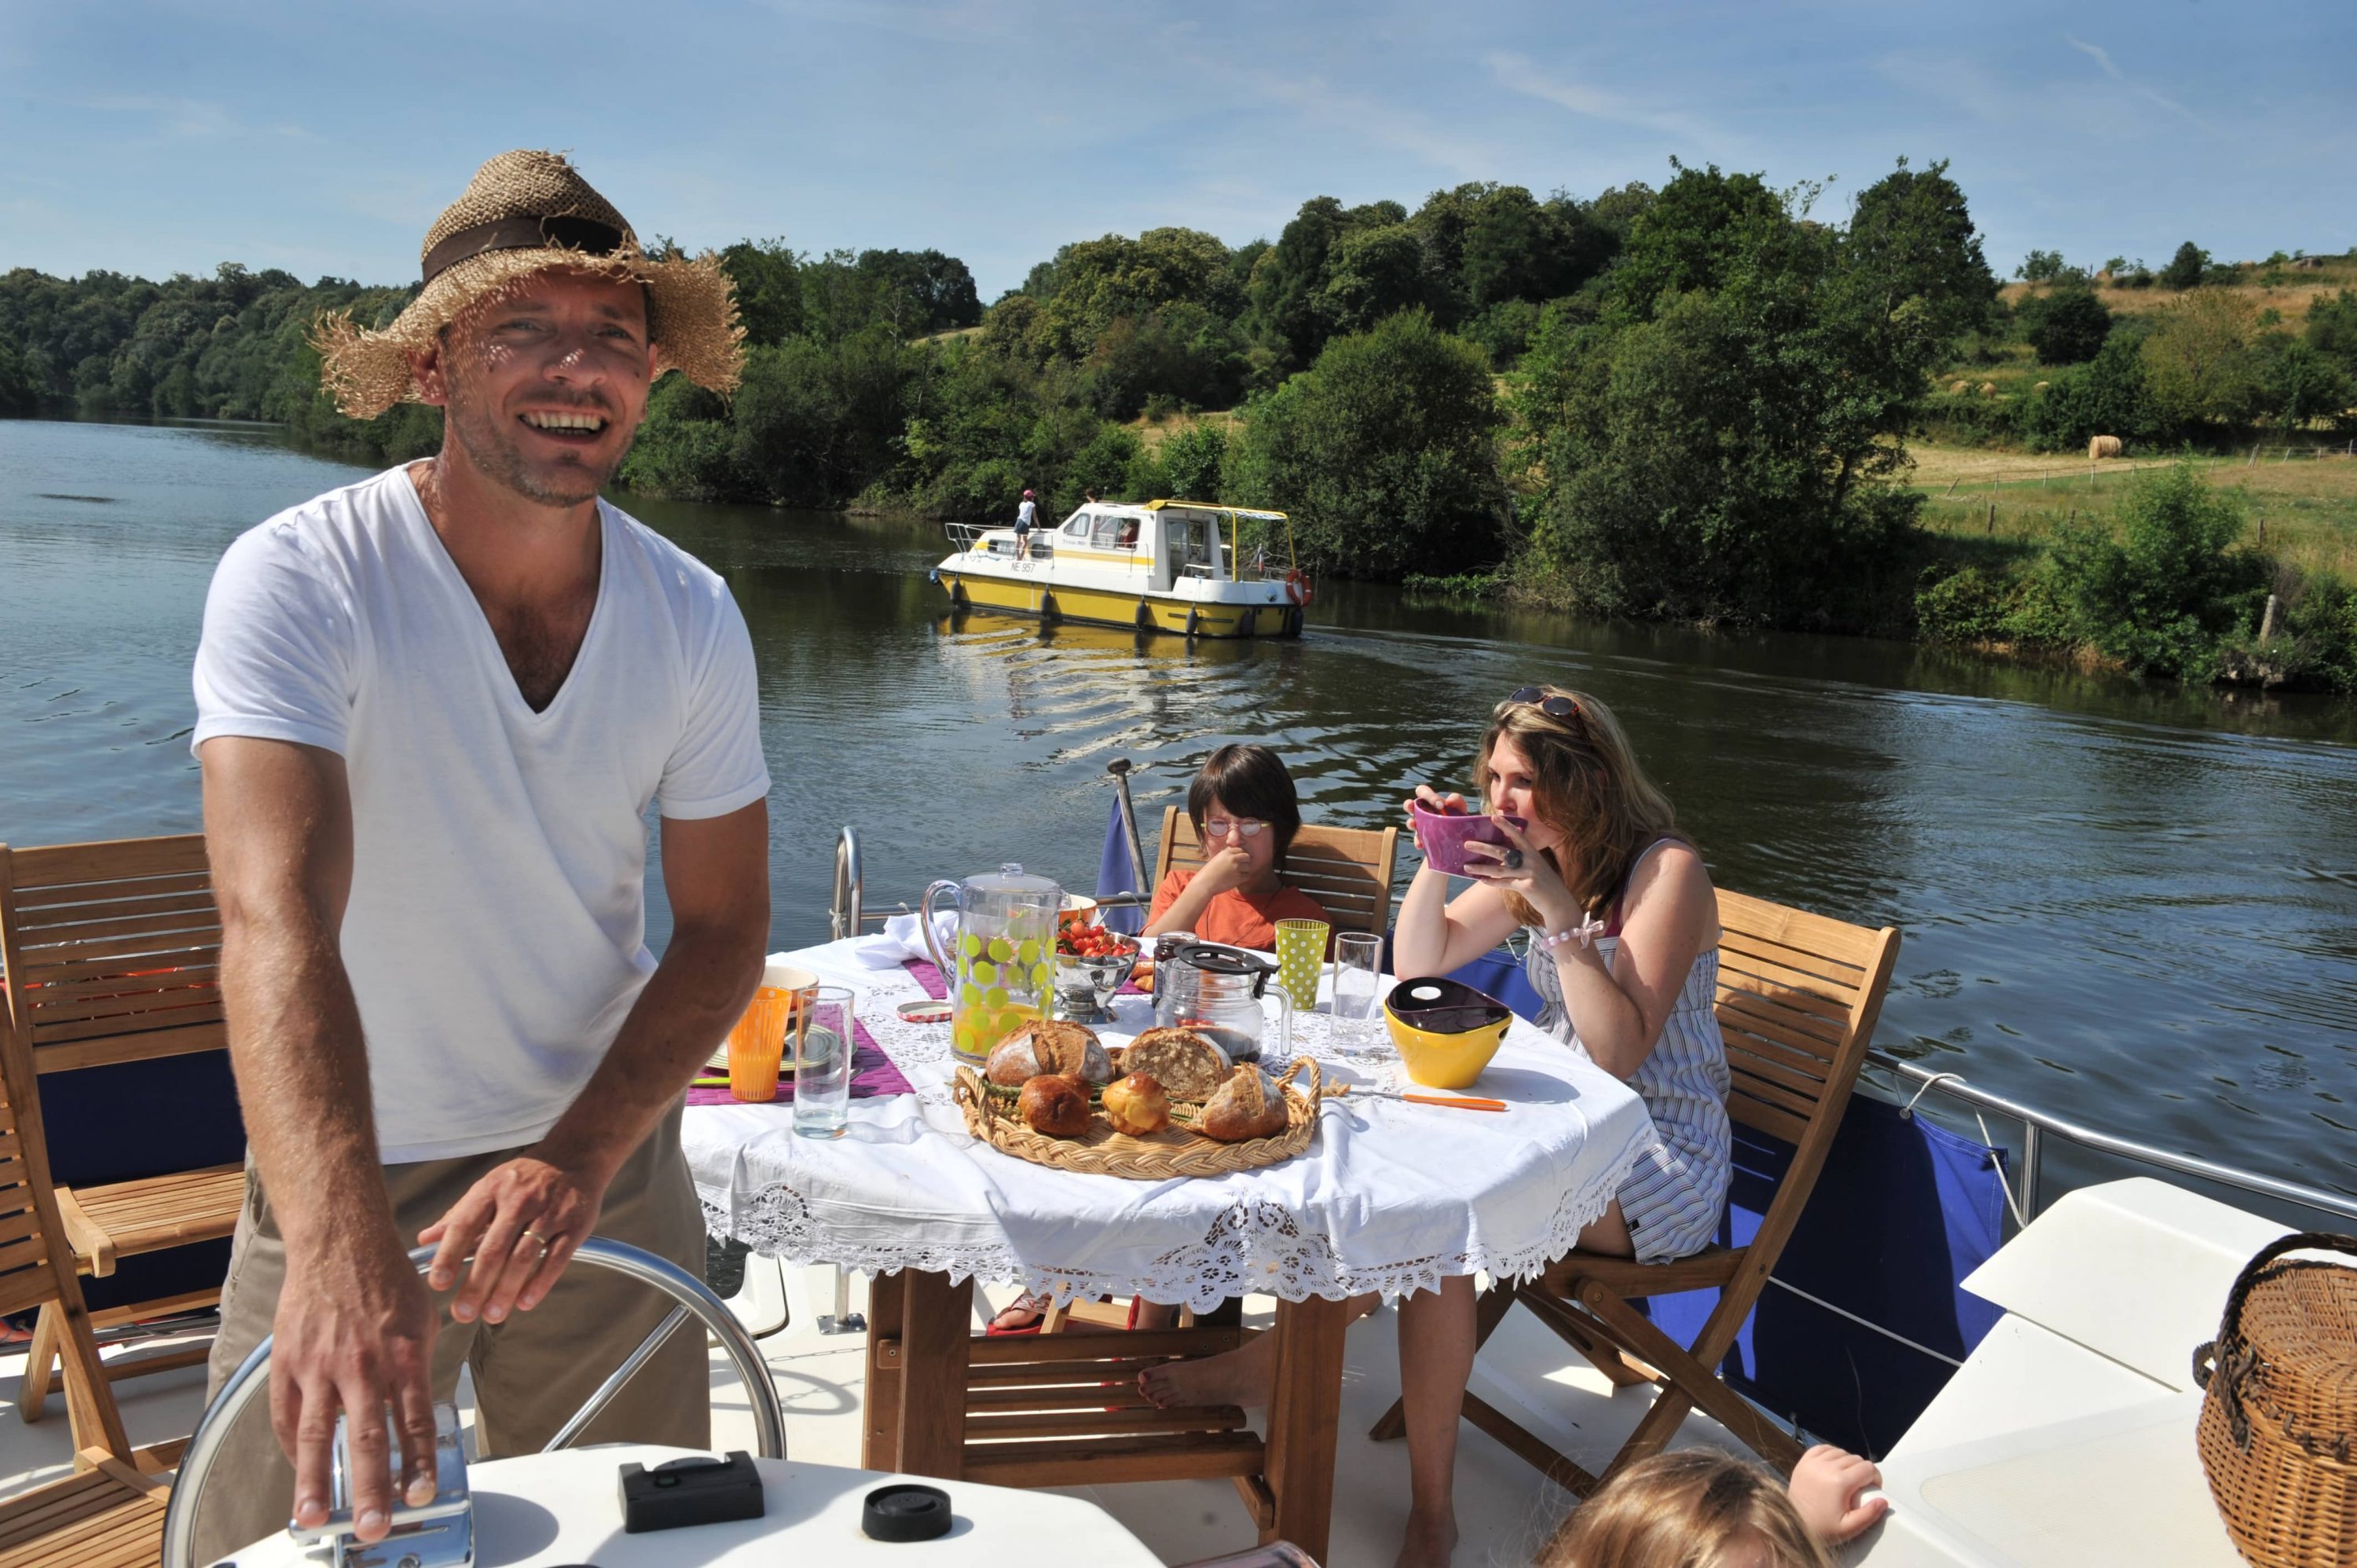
1297,588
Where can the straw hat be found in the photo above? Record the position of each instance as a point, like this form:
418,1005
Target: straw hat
525,212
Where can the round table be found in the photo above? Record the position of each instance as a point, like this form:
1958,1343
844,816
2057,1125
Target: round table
1392,1198
540,1511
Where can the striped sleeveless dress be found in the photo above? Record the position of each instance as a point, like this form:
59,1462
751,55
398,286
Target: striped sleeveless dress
1674,1195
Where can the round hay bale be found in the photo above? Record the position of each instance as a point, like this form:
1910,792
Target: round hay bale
1956,389
2040,386
1988,388
2103,446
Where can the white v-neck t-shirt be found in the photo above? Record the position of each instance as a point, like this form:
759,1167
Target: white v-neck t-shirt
496,932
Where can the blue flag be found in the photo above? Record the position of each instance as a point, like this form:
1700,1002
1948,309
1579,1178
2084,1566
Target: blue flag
1115,875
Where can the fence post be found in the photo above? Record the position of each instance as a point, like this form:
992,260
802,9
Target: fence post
2268,620
1992,518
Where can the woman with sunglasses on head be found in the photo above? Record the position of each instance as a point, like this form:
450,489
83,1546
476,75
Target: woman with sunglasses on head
1624,934
1245,815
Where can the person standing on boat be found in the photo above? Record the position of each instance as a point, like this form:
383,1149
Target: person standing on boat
1026,516
433,709
1624,938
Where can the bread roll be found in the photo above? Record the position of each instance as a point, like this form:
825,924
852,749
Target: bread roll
1054,1104
1248,1105
1186,1065
1050,1045
1137,1105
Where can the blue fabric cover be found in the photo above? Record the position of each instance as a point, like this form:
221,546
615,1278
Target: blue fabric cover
1115,875
133,1120
1902,1213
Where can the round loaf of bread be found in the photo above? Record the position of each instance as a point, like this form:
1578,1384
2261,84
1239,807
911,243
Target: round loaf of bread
1054,1104
1050,1045
1184,1063
1248,1105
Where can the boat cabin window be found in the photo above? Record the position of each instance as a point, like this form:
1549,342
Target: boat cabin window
1195,545
1078,527
1109,533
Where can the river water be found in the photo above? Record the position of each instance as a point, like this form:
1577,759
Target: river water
2132,904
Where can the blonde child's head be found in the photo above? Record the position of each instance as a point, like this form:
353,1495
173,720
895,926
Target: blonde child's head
1696,1509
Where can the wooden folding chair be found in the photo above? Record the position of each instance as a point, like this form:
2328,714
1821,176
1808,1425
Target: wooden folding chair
1798,995
112,955
107,1514
1346,870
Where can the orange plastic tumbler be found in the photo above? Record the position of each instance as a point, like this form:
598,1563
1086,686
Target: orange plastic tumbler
757,1044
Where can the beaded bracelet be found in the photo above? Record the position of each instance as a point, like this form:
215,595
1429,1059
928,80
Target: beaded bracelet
1583,933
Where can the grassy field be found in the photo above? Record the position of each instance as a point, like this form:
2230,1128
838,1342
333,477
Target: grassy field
2308,505
2287,290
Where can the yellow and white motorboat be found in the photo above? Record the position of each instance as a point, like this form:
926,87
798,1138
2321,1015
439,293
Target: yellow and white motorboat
1191,568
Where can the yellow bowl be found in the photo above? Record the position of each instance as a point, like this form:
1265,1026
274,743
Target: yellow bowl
1446,1031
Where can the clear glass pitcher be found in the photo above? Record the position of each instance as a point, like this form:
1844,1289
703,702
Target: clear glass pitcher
1003,971
1223,994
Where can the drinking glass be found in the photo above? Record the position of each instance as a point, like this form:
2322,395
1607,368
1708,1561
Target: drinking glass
1301,954
758,1042
823,1063
1358,985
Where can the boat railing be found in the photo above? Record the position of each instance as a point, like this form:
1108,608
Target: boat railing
974,537
1913,1081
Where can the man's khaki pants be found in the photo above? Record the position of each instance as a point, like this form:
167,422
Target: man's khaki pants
531,1372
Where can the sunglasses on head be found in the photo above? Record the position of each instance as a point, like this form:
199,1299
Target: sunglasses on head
1553,707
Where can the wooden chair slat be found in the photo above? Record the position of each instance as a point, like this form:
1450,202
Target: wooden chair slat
140,961
165,987
204,1008
167,1211
1750,1056
1346,870
1837,940
52,944
1764,1016
110,860
208,1034
1745,1111
1797,988
1800,1102
22,1225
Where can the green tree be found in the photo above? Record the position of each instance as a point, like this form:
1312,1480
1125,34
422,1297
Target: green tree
2185,269
1192,460
2299,383
2332,327
1692,236
1912,245
18,393
2039,267
1384,453
2199,365
2107,396
2068,326
768,277
2162,595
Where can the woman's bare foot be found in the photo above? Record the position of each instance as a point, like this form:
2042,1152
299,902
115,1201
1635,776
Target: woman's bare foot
1430,1541
1237,1377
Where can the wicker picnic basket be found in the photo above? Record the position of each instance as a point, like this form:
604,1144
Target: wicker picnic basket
2278,1430
1176,1150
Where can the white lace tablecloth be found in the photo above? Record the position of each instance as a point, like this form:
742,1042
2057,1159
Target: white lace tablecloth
1391,1198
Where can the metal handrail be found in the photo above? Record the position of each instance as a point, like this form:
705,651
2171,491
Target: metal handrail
2036,1122
850,886
696,1300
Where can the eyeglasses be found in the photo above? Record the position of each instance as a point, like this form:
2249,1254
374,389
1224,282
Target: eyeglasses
1553,707
1244,826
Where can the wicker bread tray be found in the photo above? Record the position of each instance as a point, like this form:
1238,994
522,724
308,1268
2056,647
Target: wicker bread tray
1176,1150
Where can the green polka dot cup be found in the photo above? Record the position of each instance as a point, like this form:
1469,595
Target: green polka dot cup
1300,959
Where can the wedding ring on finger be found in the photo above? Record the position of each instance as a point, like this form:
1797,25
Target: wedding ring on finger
545,1244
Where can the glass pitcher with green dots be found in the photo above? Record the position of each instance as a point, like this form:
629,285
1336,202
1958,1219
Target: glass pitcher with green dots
1002,971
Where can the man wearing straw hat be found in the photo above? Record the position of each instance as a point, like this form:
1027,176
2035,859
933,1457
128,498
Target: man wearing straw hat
433,709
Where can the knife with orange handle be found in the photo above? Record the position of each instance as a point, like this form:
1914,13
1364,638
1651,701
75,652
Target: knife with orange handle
1452,1101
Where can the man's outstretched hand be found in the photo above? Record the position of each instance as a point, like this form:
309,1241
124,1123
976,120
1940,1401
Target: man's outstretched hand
521,1223
354,1333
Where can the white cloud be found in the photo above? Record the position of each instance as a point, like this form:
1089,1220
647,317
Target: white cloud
1519,73
2103,59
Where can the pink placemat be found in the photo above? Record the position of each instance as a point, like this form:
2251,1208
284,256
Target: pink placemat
873,1077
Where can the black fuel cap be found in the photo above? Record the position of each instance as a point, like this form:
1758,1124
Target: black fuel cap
906,1512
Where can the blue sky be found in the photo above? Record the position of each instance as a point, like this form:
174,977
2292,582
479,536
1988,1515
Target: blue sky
156,138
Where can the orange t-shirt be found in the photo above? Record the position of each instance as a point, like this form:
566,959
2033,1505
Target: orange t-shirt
1237,920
